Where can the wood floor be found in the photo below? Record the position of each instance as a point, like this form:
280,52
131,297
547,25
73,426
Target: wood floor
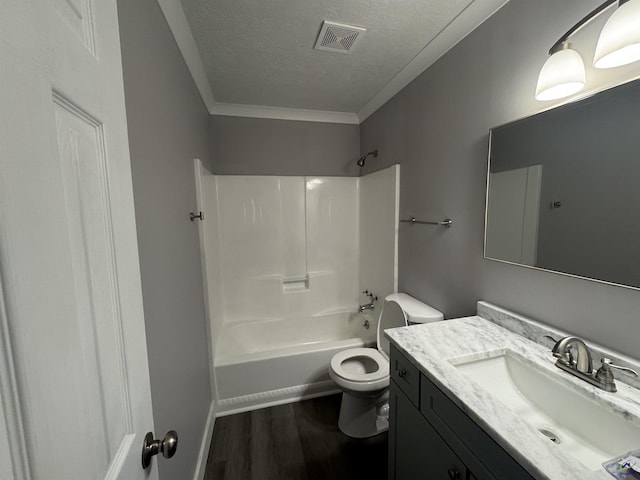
297,441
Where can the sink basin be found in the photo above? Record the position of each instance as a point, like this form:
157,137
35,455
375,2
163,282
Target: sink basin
578,425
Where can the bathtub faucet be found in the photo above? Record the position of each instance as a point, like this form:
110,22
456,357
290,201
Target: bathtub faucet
368,306
371,305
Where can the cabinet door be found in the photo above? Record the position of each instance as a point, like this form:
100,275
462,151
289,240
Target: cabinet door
419,452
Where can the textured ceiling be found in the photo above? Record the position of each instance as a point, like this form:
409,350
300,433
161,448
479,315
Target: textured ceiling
260,52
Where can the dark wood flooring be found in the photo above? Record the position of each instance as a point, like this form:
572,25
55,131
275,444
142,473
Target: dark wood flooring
297,441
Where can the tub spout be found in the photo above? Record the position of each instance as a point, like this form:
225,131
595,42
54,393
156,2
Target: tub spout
368,306
372,299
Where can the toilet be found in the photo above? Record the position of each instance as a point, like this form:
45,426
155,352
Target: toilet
363,373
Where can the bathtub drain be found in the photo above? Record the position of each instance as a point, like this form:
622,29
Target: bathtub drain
550,435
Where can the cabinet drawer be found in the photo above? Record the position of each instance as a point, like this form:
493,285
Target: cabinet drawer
474,446
406,375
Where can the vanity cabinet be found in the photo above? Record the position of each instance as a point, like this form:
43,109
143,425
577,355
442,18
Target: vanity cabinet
431,438
420,453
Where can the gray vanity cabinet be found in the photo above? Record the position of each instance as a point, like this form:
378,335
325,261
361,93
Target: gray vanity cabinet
420,453
431,438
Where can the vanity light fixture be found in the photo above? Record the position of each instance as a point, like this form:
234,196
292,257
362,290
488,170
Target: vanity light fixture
619,42
563,73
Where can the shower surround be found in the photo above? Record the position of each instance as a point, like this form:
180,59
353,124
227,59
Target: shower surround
286,260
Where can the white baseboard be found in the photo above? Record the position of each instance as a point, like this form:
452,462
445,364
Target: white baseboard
255,401
201,466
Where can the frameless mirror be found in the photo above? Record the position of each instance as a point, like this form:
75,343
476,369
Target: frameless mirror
564,189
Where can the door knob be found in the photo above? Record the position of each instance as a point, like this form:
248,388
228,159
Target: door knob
168,446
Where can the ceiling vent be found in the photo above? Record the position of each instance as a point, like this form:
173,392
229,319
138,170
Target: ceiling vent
338,38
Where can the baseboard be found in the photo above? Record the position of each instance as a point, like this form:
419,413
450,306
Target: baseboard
201,466
255,401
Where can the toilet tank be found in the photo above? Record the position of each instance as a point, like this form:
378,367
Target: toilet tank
415,311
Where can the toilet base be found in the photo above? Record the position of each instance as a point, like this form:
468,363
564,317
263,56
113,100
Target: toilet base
362,417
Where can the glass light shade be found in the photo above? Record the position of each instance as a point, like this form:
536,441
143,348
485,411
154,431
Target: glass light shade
619,42
561,75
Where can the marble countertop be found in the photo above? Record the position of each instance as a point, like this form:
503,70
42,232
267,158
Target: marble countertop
432,347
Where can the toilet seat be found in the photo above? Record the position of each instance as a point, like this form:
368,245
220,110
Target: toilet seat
379,359
363,374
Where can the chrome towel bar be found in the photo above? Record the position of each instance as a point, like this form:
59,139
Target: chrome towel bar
447,222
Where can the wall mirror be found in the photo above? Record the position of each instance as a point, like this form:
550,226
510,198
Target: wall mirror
564,189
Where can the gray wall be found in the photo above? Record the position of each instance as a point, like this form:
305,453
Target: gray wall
168,127
437,128
256,146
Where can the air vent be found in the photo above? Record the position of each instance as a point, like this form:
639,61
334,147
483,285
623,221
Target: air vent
338,38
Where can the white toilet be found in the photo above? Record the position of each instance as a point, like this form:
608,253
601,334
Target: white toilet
363,373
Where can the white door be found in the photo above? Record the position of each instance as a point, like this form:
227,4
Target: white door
75,401
513,211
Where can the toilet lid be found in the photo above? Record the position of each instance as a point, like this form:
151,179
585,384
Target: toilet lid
360,365
392,316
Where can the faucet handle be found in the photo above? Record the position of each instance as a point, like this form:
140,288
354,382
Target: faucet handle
563,354
565,358
372,296
605,376
606,365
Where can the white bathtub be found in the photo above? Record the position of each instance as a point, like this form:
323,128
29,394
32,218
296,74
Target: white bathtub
267,362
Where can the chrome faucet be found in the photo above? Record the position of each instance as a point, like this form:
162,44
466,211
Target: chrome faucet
582,365
371,305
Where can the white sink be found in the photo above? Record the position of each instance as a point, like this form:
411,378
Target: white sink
578,425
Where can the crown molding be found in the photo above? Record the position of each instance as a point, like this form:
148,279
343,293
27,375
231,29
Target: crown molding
464,23
174,14
259,111
179,26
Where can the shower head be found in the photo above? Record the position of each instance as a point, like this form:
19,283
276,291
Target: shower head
361,160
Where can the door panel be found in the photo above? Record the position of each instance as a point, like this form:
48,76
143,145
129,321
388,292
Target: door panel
420,453
513,215
75,391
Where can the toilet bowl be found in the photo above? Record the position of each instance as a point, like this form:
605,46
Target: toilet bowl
363,373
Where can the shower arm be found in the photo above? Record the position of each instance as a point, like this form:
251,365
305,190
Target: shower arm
362,159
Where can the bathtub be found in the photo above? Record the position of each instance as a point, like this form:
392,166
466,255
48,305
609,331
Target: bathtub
261,363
